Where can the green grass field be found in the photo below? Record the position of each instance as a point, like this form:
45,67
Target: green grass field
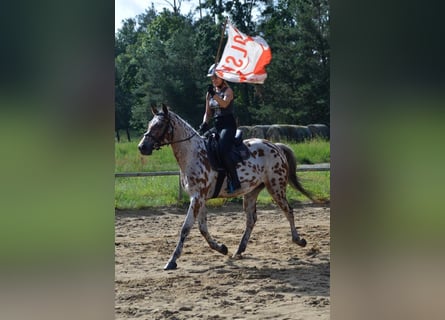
140,192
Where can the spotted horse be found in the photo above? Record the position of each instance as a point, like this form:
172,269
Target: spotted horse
271,166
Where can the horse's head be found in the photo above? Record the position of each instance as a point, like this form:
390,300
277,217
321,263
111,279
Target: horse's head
157,132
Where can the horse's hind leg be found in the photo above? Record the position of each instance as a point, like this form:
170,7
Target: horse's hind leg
249,206
279,195
202,221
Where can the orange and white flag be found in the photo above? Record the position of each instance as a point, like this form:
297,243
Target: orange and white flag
244,58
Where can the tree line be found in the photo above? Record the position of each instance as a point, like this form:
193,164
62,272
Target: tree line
163,57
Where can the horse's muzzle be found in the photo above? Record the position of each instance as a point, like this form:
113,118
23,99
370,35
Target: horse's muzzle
145,149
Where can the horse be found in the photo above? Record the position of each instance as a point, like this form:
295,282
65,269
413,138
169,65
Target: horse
271,166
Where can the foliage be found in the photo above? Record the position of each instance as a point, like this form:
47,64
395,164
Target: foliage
297,89
164,56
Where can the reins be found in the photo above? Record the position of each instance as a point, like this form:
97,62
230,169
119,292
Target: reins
177,141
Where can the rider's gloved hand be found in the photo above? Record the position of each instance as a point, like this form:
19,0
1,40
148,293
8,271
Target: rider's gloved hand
211,90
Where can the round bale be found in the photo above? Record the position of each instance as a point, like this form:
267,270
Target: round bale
259,131
319,131
279,132
246,131
300,133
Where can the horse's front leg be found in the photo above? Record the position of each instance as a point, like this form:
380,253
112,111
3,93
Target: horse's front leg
196,205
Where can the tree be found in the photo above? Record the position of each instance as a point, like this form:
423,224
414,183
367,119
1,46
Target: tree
125,72
297,89
169,67
164,57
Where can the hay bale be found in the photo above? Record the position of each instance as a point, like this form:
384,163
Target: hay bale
259,131
319,131
300,133
279,132
288,132
274,133
246,131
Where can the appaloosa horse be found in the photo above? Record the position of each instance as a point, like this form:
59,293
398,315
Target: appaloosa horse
270,165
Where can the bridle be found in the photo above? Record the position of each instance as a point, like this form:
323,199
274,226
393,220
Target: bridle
157,141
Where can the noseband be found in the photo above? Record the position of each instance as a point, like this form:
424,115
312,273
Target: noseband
157,141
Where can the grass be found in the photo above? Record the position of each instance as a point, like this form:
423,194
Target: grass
312,151
140,192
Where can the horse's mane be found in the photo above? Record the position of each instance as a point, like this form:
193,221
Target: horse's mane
173,114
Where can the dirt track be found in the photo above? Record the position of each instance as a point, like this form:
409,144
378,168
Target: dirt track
276,279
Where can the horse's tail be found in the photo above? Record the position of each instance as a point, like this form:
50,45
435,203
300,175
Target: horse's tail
292,175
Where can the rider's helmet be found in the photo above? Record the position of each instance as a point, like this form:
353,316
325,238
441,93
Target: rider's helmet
211,71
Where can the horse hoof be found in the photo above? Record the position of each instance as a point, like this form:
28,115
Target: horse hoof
170,266
224,249
237,256
302,242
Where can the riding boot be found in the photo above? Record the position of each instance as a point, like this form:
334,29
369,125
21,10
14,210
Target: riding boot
233,183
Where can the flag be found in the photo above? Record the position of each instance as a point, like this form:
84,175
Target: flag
244,58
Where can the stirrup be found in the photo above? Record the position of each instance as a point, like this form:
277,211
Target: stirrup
231,189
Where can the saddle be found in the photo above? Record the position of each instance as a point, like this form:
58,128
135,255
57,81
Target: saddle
238,153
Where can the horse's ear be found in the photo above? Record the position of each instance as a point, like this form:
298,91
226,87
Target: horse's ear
154,109
165,109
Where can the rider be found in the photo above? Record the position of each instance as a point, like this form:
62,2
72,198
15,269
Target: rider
219,103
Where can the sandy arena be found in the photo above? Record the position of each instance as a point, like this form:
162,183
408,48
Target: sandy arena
275,279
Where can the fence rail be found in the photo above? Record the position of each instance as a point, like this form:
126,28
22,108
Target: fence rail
302,167
146,174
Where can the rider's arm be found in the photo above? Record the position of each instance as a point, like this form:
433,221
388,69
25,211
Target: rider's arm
228,97
208,113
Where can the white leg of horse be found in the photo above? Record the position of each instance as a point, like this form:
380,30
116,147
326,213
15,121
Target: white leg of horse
195,206
249,206
202,220
279,196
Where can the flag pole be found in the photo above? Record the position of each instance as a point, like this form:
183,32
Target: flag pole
218,53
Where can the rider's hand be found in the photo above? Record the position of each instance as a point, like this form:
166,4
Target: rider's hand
211,90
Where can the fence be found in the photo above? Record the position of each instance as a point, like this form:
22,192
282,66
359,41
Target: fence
302,167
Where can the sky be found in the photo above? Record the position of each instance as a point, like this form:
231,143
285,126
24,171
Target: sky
131,8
